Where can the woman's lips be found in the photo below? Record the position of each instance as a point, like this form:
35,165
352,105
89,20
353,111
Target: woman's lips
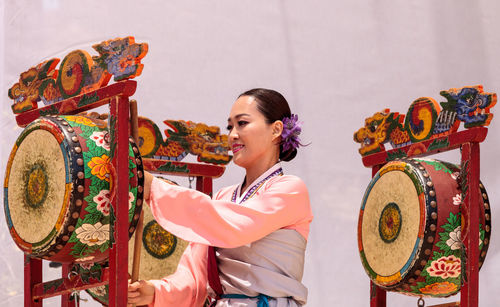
236,148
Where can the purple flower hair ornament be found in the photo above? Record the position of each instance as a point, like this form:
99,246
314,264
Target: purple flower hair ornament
291,131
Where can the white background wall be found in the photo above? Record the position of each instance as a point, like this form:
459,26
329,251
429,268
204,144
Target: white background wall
337,62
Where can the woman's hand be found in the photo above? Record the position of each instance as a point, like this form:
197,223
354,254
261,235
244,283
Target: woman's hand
141,292
148,178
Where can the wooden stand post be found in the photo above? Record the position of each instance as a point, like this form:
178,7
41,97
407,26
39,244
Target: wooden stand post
378,296
32,276
118,255
65,298
470,166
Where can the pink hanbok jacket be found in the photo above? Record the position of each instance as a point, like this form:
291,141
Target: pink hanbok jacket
281,203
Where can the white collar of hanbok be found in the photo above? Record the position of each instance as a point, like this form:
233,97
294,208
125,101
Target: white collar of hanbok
273,170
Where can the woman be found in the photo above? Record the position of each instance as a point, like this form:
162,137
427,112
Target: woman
259,228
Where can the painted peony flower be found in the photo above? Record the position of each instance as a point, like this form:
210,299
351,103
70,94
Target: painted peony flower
103,201
100,290
457,199
96,234
454,242
87,266
445,267
99,137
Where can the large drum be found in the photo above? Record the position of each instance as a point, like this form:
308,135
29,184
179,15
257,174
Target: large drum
160,254
58,188
410,230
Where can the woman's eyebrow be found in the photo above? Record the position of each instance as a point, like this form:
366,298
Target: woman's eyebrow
238,116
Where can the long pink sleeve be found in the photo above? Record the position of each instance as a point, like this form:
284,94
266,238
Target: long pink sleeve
282,202
187,287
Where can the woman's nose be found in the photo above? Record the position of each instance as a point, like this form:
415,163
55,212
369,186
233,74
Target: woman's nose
233,135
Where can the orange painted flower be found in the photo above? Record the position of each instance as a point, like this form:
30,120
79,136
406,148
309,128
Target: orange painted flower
81,120
100,167
416,149
439,288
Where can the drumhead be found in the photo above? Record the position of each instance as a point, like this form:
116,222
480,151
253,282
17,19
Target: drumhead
160,252
391,223
37,171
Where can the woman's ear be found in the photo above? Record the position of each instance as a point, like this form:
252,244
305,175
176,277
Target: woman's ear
277,129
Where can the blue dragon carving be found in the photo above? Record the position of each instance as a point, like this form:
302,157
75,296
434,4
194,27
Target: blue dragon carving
470,104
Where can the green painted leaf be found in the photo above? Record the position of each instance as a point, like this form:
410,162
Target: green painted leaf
98,150
105,219
52,284
88,130
395,155
453,220
92,208
449,228
131,166
99,184
438,166
89,198
94,190
93,218
78,249
443,246
104,247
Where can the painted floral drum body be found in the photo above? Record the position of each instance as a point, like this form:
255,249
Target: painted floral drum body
57,189
410,228
161,251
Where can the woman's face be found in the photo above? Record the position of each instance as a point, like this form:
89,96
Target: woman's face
252,140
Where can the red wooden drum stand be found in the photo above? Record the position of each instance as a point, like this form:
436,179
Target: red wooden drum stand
35,290
79,85
427,130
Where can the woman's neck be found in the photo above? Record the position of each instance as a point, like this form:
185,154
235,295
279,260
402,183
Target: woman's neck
253,173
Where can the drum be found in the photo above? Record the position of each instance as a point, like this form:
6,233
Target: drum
161,251
58,188
410,230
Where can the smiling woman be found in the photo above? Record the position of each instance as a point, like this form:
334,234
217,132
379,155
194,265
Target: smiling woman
254,233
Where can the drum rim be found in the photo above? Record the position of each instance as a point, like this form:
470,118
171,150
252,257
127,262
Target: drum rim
485,205
43,247
65,133
422,241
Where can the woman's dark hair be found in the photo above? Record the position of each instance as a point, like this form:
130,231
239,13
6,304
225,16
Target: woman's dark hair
274,107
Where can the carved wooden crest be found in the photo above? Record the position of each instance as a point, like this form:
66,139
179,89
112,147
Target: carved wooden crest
78,73
182,138
425,120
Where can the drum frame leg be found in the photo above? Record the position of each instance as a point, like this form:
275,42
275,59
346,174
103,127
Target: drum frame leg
32,276
118,254
65,298
378,296
470,288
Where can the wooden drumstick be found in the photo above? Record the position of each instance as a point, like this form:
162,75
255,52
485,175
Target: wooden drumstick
138,230
454,304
